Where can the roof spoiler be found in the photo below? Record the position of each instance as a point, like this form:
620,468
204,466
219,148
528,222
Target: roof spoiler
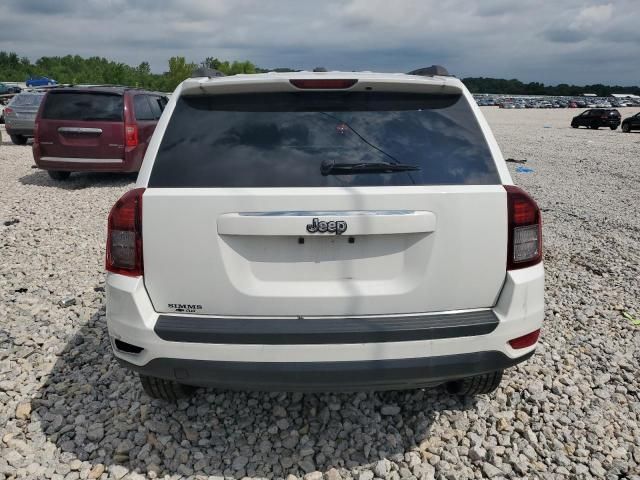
206,72
431,71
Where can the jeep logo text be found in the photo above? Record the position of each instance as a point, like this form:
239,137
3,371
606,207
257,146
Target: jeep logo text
317,226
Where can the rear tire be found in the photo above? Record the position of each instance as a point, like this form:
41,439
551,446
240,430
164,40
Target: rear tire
18,139
58,175
166,390
574,126
477,385
594,127
612,127
626,128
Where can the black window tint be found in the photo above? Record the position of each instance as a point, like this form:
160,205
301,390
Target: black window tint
87,106
281,140
142,108
156,109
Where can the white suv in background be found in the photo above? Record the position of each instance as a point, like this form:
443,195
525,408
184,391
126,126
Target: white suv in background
323,231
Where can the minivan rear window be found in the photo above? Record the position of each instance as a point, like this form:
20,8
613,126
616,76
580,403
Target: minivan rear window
283,140
26,100
83,106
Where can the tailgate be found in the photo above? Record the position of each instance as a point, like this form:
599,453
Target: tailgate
85,125
245,214
420,250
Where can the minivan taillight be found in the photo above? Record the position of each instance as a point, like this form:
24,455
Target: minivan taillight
524,247
131,135
124,235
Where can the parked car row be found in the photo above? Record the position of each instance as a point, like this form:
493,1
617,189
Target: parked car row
606,117
85,128
510,102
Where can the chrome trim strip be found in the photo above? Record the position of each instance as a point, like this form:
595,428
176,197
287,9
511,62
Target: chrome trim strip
329,213
81,160
79,130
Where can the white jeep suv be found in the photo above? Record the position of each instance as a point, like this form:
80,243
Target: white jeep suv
323,231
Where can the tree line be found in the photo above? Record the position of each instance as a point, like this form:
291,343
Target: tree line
98,70
75,69
516,87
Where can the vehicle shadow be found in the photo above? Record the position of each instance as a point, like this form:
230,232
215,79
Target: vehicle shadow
79,180
95,411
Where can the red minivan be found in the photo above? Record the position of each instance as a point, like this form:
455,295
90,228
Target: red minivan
95,129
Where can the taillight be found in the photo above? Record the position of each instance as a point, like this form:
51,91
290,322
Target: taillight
524,247
36,135
131,135
525,340
324,84
124,235
8,111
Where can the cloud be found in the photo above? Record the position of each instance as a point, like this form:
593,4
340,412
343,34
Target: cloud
592,16
533,41
566,35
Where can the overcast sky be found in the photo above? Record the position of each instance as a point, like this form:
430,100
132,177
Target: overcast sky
572,41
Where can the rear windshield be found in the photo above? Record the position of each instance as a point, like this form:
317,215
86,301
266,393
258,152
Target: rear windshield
88,106
282,140
26,100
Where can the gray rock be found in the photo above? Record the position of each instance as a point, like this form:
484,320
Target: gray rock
118,471
239,462
307,465
365,475
477,454
390,410
595,467
491,470
381,468
332,474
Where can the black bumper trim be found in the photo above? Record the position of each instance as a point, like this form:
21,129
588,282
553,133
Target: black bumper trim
397,374
314,331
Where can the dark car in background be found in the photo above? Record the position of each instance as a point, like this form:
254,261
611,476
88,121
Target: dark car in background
596,118
20,116
95,129
631,123
6,89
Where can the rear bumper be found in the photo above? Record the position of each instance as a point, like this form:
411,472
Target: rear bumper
72,164
129,162
19,130
398,374
404,351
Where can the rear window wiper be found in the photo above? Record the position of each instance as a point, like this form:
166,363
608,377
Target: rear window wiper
332,168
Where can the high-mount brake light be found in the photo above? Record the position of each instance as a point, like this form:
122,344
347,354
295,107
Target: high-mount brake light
324,84
524,247
131,135
124,235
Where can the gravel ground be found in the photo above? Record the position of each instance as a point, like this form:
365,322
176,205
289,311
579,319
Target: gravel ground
67,410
